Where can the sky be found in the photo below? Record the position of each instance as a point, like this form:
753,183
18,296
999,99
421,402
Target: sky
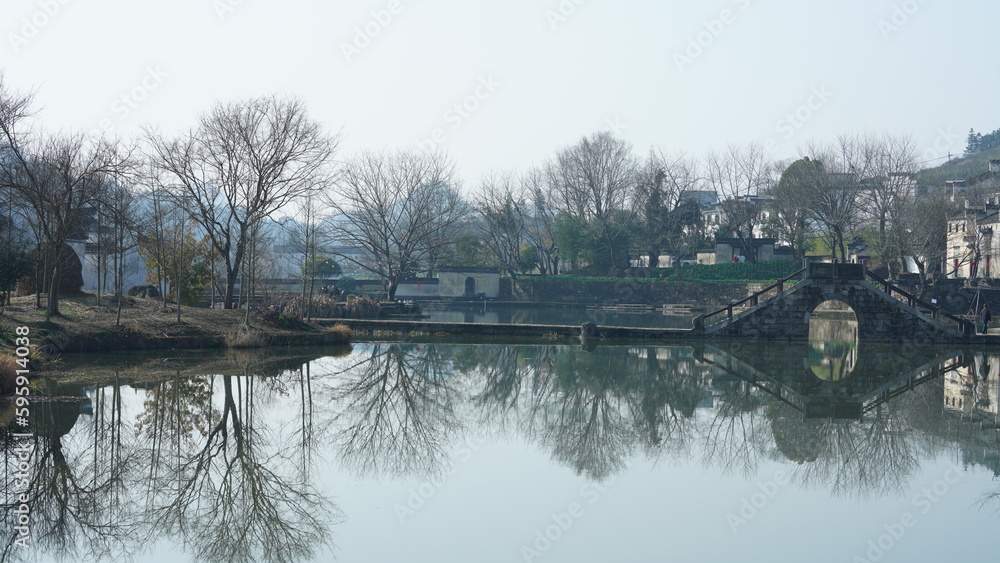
503,86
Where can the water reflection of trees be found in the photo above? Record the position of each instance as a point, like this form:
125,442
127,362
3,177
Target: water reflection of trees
237,496
78,493
591,410
397,410
663,396
214,477
871,457
581,417
209,465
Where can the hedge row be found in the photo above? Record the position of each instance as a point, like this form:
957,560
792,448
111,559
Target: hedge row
761,271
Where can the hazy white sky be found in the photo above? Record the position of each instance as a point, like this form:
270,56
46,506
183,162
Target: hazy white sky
506,84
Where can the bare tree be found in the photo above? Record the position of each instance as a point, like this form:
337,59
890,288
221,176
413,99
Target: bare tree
246,160
832,190
500,205
740,175
539,222
118,204
260,264
57,176
669,222
593,181
400,209
925,237
888,190
306,236
790,217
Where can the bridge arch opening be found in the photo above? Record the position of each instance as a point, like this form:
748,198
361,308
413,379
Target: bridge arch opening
833,340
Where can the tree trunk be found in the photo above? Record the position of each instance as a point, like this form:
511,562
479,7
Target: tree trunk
118,314
654,258
393,285
613,271
100,258
227,299
52,305
309,303
177,290
41,275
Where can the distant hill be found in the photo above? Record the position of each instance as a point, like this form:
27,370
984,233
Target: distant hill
959,168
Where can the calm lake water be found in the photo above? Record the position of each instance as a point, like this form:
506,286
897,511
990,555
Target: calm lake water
411,452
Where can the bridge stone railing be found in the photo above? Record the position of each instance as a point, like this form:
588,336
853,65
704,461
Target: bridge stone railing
885,312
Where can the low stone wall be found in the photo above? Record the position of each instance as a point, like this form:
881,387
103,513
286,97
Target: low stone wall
632,291
960,300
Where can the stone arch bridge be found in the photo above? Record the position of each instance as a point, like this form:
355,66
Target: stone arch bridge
885,312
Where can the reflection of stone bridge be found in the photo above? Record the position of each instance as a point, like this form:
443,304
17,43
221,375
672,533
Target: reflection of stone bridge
885,313
882,374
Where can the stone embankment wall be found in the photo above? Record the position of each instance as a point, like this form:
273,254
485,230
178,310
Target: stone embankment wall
631,291
959,300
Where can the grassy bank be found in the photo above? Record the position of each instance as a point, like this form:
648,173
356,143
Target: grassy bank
146,324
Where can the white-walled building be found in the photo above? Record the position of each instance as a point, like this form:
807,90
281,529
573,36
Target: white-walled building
134,268
453,282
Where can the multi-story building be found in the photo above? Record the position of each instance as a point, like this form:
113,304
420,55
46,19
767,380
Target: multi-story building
974,233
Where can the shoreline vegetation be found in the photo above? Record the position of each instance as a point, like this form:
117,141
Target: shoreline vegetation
145,324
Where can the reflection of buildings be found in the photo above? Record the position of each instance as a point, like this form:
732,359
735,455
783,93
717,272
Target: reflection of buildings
973,234
832,361
833,341
974,388
681,363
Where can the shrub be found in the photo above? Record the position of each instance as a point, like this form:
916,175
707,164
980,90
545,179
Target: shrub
343,333
244,337
8,374
363,307
289,311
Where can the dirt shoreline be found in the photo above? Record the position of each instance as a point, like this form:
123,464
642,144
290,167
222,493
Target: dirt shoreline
85,327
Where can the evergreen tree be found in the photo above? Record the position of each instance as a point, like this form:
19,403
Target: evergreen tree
972,142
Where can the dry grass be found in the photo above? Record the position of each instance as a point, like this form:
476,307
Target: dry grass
8,374
244,337
343,332
81,315
363,307
146,320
